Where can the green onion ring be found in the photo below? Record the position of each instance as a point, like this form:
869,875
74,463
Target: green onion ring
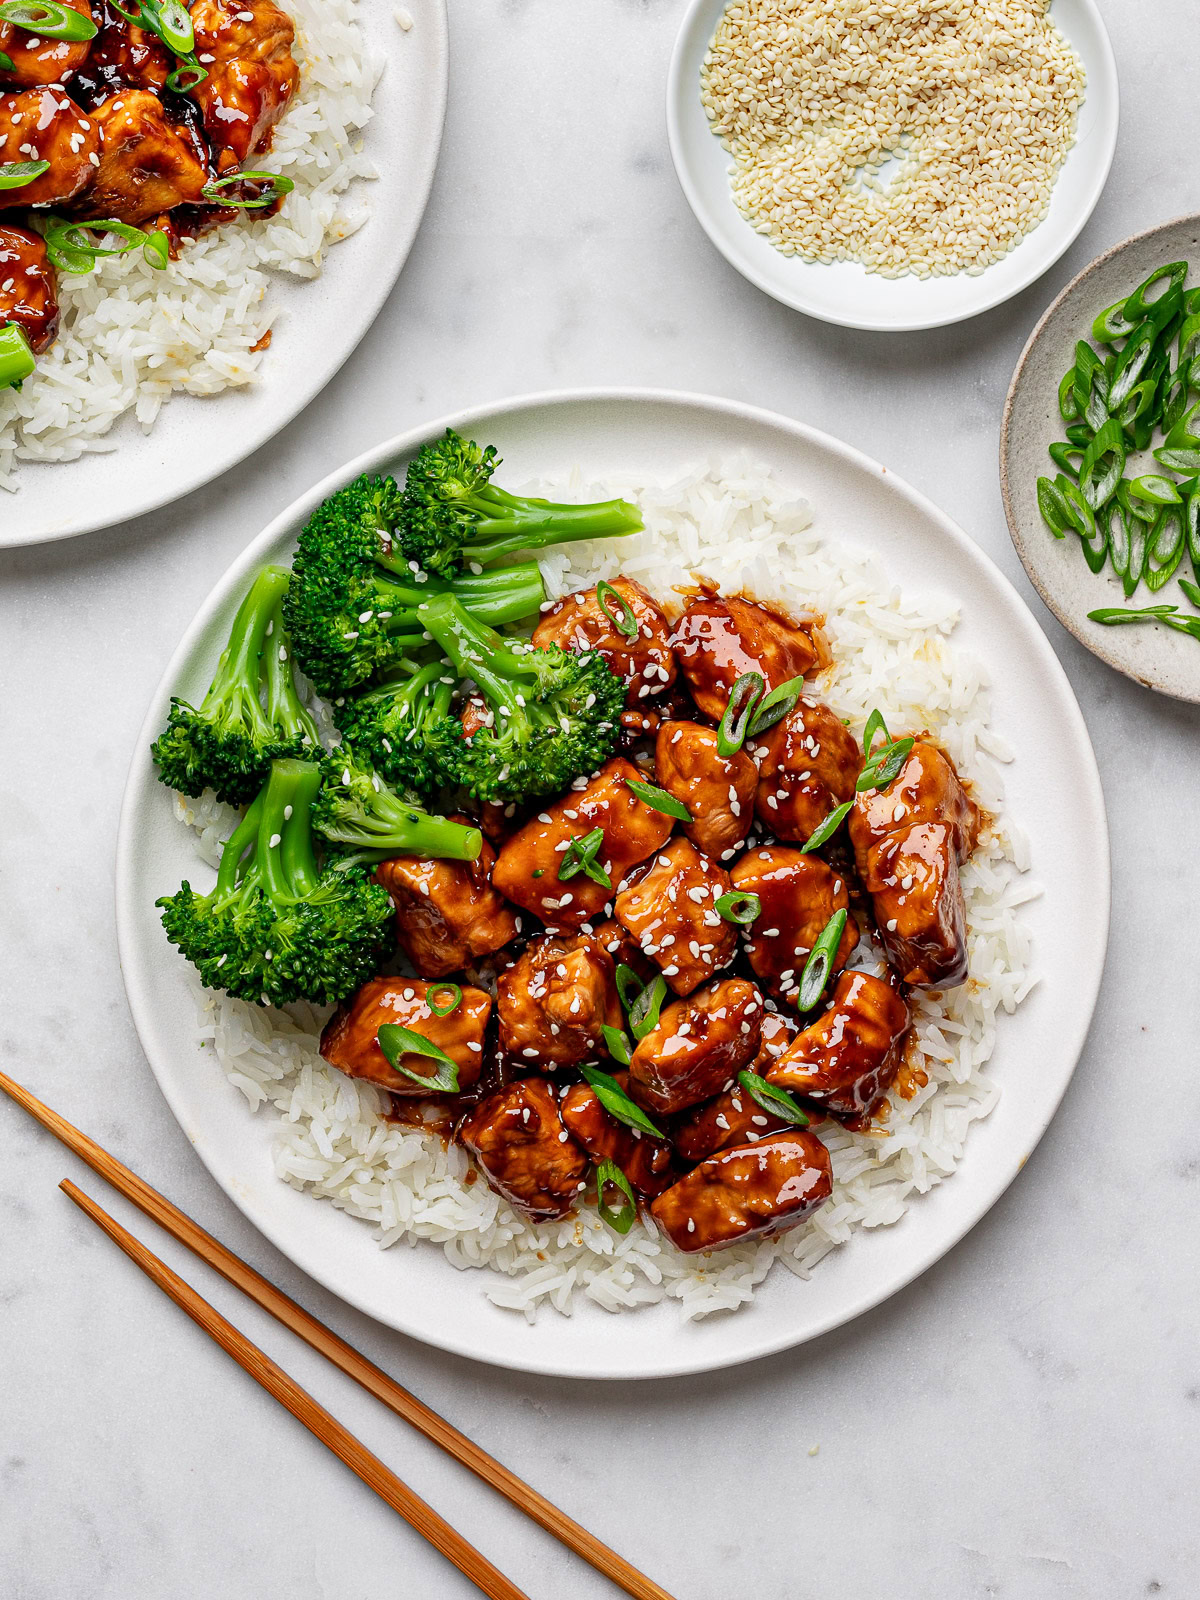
175,28
885,765
1155,490
607,1172
618,1045
70,250
396,1042
16,357
777,1101
617,1103
629,985
659,800
16,174
735,719
739,907
1137,306
820,962
6,63
49,19
775,706
875,724
628,629
580,856
1190,590
176,84
644,1013
1167,614
452,989
826,830
279,186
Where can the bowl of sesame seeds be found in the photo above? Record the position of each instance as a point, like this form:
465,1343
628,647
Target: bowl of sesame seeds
891,164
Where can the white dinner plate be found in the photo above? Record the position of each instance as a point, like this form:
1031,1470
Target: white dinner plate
844,292
318,323
1053,792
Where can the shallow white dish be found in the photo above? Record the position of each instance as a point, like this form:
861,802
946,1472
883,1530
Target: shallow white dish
318,325
1053,792
845,292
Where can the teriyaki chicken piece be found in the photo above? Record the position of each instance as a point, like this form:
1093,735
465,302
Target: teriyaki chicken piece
747,1191
846,1060
671,910
697,1048
350,1040
556,999
448,915
523,1148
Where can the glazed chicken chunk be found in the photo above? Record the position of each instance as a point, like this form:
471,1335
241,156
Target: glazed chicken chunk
447,913
37,59
747,1190
698,1047
718,790
46,125
252,74
845,1060
733,1116
808,766
350,1041
718,640
28,287
798,894
528,869
645,1161
523,1148
645,664
671,910
909,841
148,162
122,56
554,1002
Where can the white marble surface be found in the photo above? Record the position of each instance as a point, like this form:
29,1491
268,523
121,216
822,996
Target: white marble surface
1023,1421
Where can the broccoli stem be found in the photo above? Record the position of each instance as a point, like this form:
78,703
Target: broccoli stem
392,827
235,847
509,522
284,706
477,651
507,595
236,680
285,857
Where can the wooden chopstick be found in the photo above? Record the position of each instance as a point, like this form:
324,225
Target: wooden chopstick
344,1356
319,1422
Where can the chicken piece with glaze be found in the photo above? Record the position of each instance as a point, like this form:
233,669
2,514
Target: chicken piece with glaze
447,913
644,1160
697,1048
671,910
645,664
909,841
808,766
733,1116
28,287
527,869
555,1000
746,1191
845,1060
798,894
350,1040
718,790
37,59
522,1147
247,48
46,125
717,640
148,162
122,56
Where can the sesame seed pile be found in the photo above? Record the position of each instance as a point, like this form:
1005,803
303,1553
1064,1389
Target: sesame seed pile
971,103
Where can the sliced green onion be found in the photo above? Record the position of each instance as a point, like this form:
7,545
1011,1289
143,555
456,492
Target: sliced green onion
169,21
1095,544
1181,448
618,1104
1066,457
48,19
157,249
822,834
1052,504
70,249
1130,364
6,63
1126,543
659,800
884,765
875,724
396,1042
1138,305
1191,591
740,907
629,985
607,1172
644,1012
186,77
777,1101
279,186
623,620
1103,464
175,28
1137,408
16,357
455,993
735,719
775,706
1111,324
1113,615
1155,490
580,856
16,174
1164,547
820,962
618,1044
1091,385
1192,519
1079,433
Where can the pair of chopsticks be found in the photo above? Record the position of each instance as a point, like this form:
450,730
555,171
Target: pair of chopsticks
487,1578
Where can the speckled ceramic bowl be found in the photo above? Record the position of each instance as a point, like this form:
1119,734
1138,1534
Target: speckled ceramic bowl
1157,657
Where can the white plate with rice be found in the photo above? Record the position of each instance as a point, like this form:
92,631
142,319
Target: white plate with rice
851,139
91,439
924,626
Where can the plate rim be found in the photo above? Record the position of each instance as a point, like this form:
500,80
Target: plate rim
422,172
1091,798
1098,646
797,301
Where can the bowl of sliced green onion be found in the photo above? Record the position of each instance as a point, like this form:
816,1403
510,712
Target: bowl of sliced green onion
1100,458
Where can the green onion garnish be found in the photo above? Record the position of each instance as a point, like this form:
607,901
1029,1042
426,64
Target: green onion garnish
644,1012
659,800
875,724
739,907
451,989
884,765
16,357
618,1104
6,63
169,21
775,706
1190,590
618,1045
157,249
71,250
280,185
1114,615
623,620
607,1172
629,985
48,19
735,719
396,1042
826,830
777,1101
580,856
820,962
1155,490
16,174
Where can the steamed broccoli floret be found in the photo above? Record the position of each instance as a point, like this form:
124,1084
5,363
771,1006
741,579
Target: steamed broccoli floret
351,605
356,810
228,744
389,723
277,928
554,713
451,514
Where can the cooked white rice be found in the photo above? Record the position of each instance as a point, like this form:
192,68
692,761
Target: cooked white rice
744,529
132,336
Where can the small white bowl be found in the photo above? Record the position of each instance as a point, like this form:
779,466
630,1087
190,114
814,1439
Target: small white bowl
845,292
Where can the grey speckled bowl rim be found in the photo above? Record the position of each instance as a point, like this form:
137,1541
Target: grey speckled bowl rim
1109,656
